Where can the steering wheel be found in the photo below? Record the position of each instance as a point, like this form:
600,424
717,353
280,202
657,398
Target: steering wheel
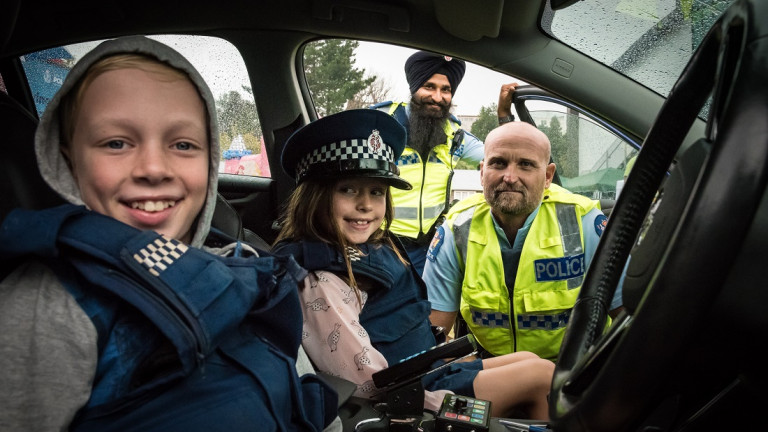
681,253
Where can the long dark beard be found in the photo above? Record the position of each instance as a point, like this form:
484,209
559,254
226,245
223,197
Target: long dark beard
426,129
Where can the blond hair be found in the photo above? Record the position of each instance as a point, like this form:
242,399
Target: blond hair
72,101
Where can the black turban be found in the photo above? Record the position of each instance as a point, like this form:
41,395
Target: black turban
422,65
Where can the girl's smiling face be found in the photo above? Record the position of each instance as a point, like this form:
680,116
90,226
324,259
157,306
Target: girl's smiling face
359,204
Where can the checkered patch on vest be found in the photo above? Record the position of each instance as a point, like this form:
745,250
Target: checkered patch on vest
490,319
543,322
409,159
433,159
344,150
158,255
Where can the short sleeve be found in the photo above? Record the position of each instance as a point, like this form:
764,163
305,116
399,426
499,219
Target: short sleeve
472,149
442,273
593,225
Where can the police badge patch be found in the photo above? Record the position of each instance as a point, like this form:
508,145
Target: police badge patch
437,241
600,223
374,142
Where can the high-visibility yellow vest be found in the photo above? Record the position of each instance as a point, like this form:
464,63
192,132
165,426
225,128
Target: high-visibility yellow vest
548,280
416,210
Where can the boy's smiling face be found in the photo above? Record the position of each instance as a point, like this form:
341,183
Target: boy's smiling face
140,150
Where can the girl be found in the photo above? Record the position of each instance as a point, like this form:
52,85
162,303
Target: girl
364,306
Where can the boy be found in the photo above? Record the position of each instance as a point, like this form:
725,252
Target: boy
116,319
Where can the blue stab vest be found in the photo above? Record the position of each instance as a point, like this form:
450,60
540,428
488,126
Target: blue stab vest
187,340
396,315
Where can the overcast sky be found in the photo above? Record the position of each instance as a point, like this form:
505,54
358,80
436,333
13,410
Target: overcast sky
480,86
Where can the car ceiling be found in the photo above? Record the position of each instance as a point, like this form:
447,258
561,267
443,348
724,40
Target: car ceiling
503,35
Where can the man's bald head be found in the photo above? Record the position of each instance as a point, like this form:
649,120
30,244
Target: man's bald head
519,132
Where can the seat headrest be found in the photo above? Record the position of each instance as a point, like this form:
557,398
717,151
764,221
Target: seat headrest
21,184
226,219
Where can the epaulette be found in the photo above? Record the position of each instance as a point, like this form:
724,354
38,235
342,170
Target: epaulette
381,104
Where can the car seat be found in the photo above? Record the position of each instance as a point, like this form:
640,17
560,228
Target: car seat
20,182
227,220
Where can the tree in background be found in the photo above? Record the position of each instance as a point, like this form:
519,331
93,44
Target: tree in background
486,121
237,116
566,156
571,143
378,91
331,75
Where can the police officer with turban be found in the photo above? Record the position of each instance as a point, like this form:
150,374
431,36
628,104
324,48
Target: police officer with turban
436,144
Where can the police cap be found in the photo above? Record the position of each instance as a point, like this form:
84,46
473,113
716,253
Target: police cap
353,143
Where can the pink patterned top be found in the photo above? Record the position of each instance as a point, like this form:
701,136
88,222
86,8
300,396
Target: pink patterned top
336,342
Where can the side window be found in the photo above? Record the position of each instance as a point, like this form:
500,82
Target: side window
45,71
344,74
591,156
222,67
591,159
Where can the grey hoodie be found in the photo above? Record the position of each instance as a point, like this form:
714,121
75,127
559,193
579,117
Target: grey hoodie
51,162
34,306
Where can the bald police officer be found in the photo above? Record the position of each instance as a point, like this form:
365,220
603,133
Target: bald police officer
512,259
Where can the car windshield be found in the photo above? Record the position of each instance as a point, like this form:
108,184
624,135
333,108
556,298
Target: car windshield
649,41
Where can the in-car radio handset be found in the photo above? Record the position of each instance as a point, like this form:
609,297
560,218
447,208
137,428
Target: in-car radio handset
403,404
423,363
401,382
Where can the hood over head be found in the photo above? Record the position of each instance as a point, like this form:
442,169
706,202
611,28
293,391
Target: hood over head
51,162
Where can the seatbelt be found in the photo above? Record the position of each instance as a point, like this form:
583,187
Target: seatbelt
458,137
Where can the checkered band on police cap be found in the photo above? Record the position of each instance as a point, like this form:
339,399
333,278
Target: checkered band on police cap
354,149
352,143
